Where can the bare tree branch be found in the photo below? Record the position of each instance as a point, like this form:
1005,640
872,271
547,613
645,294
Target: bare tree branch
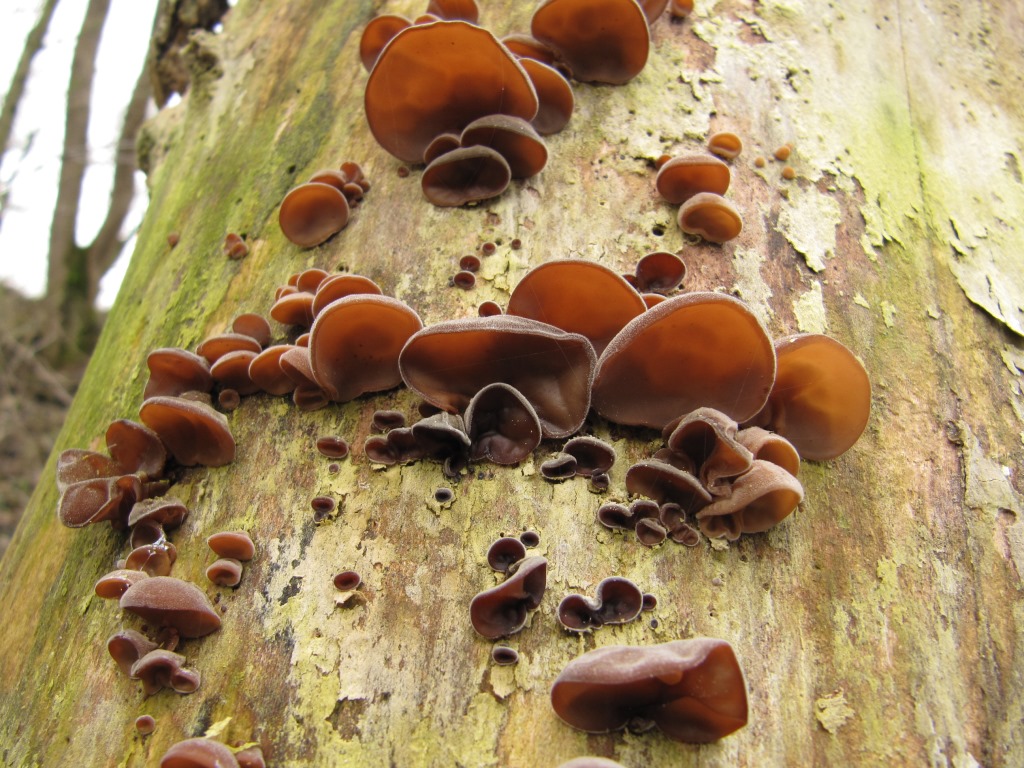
9,109
106,246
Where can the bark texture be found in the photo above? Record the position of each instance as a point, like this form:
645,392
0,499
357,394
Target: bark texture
880,624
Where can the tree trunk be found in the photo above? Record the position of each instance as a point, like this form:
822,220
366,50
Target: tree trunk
878,625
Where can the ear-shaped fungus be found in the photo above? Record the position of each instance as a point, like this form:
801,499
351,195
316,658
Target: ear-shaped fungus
199,753
502,610
465,176
770,447
355,342
377,33
128,646
821,400
684,176
446,364
579,297
225,572
437,78
254,326
112,585
696,349
215,347
337,287
659,272
760,498
312,212
232,544
664,483
725,144
505,552
705,442
165,601
604,41
466,10
136,448
173,371
161,669
503,427
592,456
617,601
193,432
265,371
511,137
691,690
554,96
105,498
711,216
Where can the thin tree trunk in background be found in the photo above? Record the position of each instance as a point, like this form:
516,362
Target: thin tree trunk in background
72,318
880,624
12,100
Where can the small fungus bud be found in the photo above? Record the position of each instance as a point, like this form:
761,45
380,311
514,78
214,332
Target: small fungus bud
783,152
469,263
759,162
332,446
145,725
443,495
346,581
234,544
788,173
504,656
530,538
173,239
464,279
225,572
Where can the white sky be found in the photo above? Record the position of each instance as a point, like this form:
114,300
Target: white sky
31,168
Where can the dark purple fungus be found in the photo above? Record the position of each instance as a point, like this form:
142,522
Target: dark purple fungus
619,600
502,610
384,421
469,263
578,613
441,436
323,507
346,581
127,647
530,538
464,279
664,483
504,552
444,495
599,482
164,601
691,690
650,532
561,467
161,669
593,456
332,446
650,601
504,656
615,516
503,427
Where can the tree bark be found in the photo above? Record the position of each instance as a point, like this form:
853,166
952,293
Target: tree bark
879,624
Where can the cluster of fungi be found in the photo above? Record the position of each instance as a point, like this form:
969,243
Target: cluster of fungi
737,410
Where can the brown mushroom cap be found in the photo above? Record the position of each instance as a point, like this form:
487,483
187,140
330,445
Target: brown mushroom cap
579,297
707,438
76,465
605,41
652,9
173,371
760,498
769,446
293,308
193,432
593,456
697,349
502,610
215,347
441,145
665,483
355,342
464,176
233,544
336,287
312,212
711,216
152,559
466,10
112,585
377,33
505,552
231,371
105,498
684,176
659,272
821,400
128,646
511,137
254,326
165,601
528,47
265,371
136,448
725,144
502,425
158,669
437,78
225,572
554,96
446,364
692,690
198,753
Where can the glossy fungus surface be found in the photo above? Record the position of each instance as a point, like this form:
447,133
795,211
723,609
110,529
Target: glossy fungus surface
312,212
821,400
561,466
504,552
504,656
332,446
233,544
502,610
437,78
194,433
513,138
696,349
659,272
604,41
355,342
502,425
347,581
711,216
579,297
593,456
692,690
448,363
759,499
173,371
465,175
685,176
725,144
